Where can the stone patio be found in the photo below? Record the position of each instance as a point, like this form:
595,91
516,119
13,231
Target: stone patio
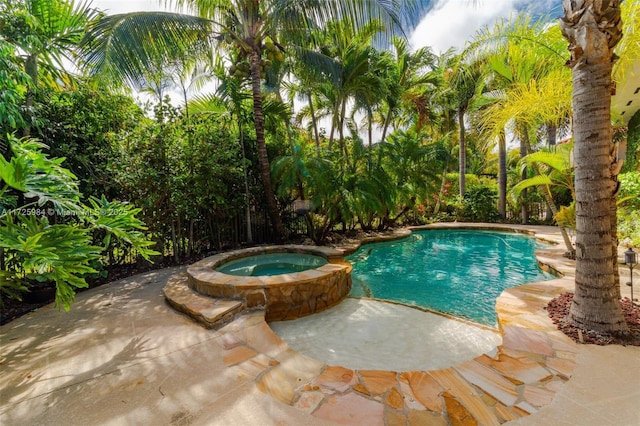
121,356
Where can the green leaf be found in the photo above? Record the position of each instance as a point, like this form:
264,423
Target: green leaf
14,173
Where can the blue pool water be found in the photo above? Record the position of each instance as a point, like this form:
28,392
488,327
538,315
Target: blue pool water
458,272
272,264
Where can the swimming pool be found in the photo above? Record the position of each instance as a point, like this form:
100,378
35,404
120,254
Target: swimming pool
457,272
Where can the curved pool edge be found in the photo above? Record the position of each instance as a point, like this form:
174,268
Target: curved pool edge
521,377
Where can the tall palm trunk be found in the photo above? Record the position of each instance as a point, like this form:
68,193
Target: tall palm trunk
385,129
524,150
263,158
343,146
462,154
31,68
552,133
443,184
247,194
551,206
370,128
593,28
334,122
314,123
502,174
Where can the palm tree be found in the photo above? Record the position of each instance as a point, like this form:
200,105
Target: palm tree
593,29
46,32
409,162
230,99
351,76
464,82
124,44
519,54
408,75
553,168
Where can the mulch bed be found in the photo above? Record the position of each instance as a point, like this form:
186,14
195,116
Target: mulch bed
558,309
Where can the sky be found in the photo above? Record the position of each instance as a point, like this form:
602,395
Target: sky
449,23
445,24
442,25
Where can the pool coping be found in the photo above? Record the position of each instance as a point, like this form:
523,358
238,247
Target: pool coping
523,375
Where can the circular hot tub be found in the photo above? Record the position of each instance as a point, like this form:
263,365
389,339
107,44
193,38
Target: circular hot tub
272,264
287,281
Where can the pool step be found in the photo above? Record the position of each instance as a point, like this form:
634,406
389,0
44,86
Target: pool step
210,312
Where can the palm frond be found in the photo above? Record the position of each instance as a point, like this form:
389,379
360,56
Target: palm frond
555,160
127,46
539,180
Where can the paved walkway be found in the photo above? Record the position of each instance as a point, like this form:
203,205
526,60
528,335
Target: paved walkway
122,356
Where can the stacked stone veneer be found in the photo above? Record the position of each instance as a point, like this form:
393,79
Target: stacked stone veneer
283,297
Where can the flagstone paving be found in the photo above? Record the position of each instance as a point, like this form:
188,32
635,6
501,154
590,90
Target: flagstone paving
121,357
524,375
531,365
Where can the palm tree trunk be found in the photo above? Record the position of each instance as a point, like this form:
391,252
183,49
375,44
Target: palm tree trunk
436,208
263,158
502,174
247,194
593,28
462,155
552,134
343,148
387,121
524,150
334,120
31,68
313,120
554,210
370,129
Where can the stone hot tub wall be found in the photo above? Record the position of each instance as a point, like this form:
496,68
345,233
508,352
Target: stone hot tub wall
284,297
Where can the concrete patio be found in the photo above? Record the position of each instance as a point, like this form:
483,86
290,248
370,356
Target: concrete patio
123,356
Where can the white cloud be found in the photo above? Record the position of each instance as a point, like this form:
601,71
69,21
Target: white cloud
452,22
113,7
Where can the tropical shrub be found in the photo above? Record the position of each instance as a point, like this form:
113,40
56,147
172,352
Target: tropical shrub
480,204
13,87
633,144
83,125
185,176
629,208
47,233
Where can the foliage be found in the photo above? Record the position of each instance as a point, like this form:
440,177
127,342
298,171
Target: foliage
40,251
480,204
552,169
47,32
629,227
629,208
83,125
183,173
566,216
46,233
629,194
632,161
13,87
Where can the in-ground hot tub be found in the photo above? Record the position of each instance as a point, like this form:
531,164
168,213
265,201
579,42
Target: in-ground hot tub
287,281
272,264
